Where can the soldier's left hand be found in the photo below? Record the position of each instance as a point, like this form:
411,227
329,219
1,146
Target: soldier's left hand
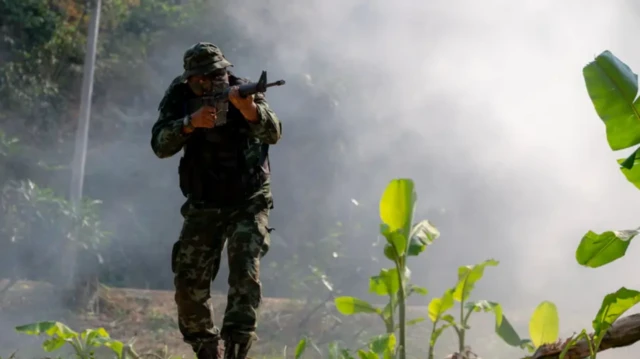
239,102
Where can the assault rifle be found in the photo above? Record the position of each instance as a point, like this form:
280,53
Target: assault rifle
220,99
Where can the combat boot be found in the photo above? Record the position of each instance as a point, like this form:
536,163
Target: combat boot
208,350
235,350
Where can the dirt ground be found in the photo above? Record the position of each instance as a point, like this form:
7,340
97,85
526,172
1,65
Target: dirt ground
150,317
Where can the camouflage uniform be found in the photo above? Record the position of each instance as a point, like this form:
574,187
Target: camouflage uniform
242,224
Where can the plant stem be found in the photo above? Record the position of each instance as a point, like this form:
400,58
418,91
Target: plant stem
432,342
462,326
402,307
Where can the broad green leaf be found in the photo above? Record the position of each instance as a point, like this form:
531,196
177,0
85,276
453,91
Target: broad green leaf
544,326
383,343
116,346
300,348
397,205
613,87
395,239
49,328
94,337
417,289
467,278
613,306
53,344
415,321
438,306
346,354
631,173
630,161
422,235
390,252
385,283
486,306
367,354
352,305
509,334
36,328
596,250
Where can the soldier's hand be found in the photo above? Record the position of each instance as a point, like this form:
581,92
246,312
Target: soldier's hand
205,117
238,101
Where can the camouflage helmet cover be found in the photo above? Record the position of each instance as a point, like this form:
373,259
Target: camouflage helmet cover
202,58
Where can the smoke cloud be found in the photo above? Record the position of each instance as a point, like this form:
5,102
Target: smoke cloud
483,104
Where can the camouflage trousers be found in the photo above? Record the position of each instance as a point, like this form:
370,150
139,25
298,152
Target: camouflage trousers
196,260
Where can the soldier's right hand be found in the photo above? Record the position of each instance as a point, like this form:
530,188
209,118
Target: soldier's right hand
205,117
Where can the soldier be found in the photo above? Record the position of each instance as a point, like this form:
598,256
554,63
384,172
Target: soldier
225,176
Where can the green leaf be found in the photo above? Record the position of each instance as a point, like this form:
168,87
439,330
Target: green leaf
507,333
53,344
630,161
613,306
116,346
415,321
367,354
417,289
385,283
467,278
300,348
486,306
630,168
396,207
390,252
49,328
422,235
613,88
596,250
544,325
439,306
385,343
395,239
352,305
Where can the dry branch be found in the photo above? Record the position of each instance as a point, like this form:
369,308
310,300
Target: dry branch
623,332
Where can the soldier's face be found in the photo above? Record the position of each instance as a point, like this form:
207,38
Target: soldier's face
203,84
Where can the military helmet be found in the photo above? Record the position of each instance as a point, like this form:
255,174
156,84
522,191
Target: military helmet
203,58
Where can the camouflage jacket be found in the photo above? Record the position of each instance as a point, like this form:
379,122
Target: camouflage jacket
167,137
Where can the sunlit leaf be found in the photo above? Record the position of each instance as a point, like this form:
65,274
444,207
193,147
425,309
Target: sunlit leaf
596,250
544,326
351,305
467,278
300,348
396,208
422,235
439,306
613,306
613,88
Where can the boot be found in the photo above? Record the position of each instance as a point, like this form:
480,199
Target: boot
234,350
208,350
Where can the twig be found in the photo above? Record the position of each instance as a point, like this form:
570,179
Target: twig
624,332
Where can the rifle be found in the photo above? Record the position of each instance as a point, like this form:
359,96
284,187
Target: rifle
220,99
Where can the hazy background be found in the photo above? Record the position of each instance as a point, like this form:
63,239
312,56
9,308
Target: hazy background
481,103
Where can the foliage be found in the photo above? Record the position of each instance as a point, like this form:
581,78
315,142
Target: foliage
404,239
36,223
83,343
613,89
439,306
